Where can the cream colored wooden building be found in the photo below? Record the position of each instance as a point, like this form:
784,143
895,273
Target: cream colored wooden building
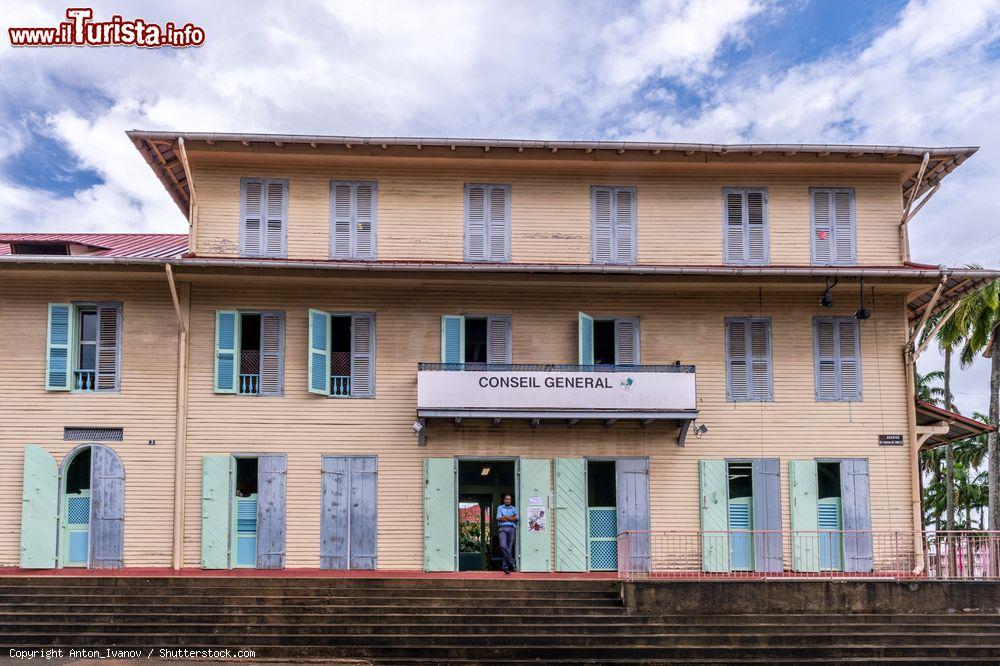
624,336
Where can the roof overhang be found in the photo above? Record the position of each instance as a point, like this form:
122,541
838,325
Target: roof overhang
163,151
959,427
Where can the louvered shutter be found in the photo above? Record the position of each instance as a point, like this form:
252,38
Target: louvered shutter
272,353
585,339
735,246
737,362
626,342
498,233
843,222
452,339
227,328
363,355
756,207
825,348
108,340
251,205
319,352
475,223
340,213
855,494
601,225
624,215
58,363
849,359
822,227
760,359
364,222
275,209
498,343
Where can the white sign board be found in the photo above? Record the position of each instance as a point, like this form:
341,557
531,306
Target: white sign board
539,391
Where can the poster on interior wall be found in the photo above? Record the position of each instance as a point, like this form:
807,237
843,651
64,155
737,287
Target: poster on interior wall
536,519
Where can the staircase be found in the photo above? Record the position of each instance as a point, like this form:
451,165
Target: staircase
457,621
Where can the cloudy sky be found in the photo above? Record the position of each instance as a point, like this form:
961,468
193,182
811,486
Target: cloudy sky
924,72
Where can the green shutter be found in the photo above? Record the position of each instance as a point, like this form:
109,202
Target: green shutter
39,506
714,515
227,336
215,508
452,339
319,352
440,514
803,482
535,484
58,348
585,334
570,520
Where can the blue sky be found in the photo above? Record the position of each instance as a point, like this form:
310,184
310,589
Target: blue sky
923,72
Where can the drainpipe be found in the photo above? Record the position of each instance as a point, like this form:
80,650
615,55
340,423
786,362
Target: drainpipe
180,427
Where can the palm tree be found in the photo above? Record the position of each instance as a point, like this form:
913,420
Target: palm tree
951,334
927,389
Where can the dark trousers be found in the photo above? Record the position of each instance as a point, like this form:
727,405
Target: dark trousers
507,538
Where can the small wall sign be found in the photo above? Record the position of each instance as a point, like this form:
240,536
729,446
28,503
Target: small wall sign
890,440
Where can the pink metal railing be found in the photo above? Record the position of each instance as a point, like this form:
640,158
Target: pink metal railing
750,554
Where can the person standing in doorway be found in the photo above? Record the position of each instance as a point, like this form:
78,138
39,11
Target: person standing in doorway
507,519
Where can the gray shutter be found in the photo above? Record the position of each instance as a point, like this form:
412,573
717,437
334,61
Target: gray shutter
107,508
340,220
825,352
276,212
335,514
271,473
760,359
272,353
856,498
767,514
735,237
601,225
108,344
822,227
364,512
363,355
498,340
498,233
849,359
251,211
757,236
624,217
632,476
475,222
626,341
843,226
364,220
737,363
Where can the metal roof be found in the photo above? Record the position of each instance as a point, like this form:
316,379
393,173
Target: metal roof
106,245
163,151
959,427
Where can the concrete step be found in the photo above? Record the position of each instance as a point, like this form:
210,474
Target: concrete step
138,606
424,600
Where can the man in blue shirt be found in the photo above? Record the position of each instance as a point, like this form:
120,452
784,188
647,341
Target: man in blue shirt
507,527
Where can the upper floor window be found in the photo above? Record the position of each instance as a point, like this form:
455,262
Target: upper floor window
263,217
250,352
837,350
748,359
487,222
608,340
342,354
83,350
834,229
746,234
476,339
612,225
353,215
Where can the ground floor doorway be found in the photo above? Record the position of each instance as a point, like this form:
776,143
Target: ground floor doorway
481,487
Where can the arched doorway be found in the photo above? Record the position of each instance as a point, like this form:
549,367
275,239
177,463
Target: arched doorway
74,509
92,508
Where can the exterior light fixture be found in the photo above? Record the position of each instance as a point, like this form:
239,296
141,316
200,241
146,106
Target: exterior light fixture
417,426
486,471
700,430
863,312
826,300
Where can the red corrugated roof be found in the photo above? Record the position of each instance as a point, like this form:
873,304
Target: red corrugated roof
108,245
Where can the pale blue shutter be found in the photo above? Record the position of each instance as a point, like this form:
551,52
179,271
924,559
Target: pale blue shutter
39,509
276,218
803,490
825,359
585,339
571,514
856,497
251,217
452,339
319,352
602,225
107,508
766,475
341,203
498,233
475,222
215,511
365,215
757,227
625,226
735,238
363,355
849,359
843,226
58,353
822,226
714,485
760,359
227,331
737,363
271,472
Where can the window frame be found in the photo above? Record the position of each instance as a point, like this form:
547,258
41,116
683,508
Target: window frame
838,362
488,224
744,191
634,225
853,260
748,321
353,242
75,343
638,339
351,314
260,360
263,222
509,318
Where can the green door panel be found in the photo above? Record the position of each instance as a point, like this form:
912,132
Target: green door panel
39,504
535,483
215,509
714,515
585,341
803,483
570,520
440,514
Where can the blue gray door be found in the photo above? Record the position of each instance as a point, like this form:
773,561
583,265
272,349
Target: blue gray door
633,509
349,517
